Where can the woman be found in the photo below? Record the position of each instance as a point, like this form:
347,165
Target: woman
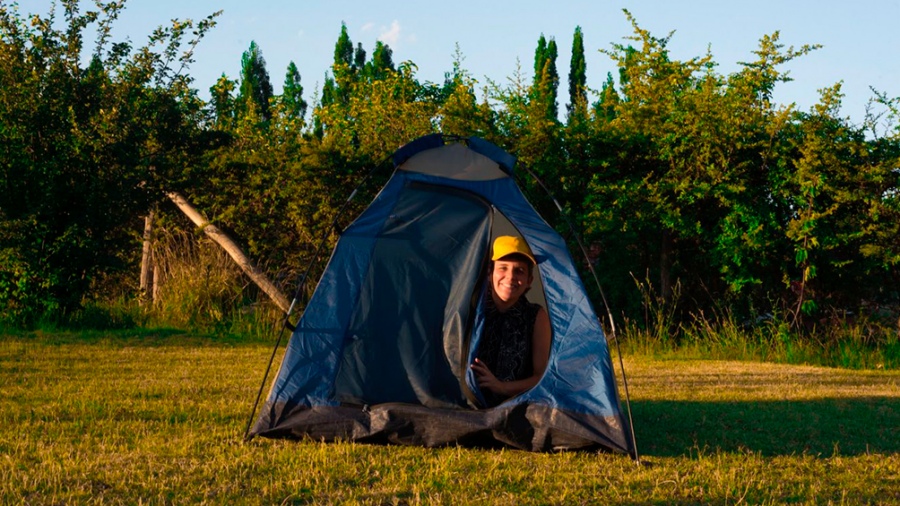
515,343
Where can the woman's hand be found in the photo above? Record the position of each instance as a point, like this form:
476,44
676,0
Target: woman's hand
486,379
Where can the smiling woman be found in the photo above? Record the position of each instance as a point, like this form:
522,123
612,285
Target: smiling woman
515,346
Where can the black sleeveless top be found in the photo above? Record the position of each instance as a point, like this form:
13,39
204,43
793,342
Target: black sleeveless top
506,341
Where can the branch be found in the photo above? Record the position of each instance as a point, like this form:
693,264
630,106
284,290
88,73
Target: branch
223,240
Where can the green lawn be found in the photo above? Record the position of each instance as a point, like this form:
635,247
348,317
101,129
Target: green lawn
160,419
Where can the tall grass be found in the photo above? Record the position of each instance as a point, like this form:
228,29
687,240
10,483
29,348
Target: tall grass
200,288
867,342
197,288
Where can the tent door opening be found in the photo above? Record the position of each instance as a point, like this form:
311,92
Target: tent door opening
407,336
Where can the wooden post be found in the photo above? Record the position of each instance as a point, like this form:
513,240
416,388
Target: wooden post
147,260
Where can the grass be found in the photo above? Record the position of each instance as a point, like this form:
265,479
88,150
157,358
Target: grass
159,418
863,344
869,340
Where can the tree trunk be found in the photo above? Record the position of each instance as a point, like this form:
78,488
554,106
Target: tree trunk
147,260
223,240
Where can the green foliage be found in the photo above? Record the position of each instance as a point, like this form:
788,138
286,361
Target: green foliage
839,190
692,182
343,48
577,77
86,149
377,117
381,63
256,89
717,198
546,78
222,103
292,96
276,185
459,112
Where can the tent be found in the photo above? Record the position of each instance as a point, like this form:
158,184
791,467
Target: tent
381,352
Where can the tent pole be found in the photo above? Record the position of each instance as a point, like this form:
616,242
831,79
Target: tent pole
612,322
300,285
265,377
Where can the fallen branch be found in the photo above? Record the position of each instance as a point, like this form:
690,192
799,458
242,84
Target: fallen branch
231,247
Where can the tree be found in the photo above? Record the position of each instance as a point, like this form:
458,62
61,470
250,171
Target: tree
843,203
85,151
344,70
378,116
343,48
460,113
255,88
223,103
525,130
292,93
694,183
359,59
577,77
361,115
546,77
540,59
382,62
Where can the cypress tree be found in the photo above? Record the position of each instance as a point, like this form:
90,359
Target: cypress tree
344,68
551,78
382,61
292,96
256,89
359,58
540,56
546,78
343,49
577,75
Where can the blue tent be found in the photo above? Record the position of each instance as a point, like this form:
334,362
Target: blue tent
381,352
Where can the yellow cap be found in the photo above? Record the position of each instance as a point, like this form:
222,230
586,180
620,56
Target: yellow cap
507,245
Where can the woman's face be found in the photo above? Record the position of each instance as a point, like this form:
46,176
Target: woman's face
510,279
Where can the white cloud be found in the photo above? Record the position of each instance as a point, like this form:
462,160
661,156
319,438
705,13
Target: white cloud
368,27
391,35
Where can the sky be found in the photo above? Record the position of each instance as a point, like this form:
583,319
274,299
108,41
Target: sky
861,42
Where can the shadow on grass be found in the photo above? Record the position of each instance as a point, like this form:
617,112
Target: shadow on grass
821,427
